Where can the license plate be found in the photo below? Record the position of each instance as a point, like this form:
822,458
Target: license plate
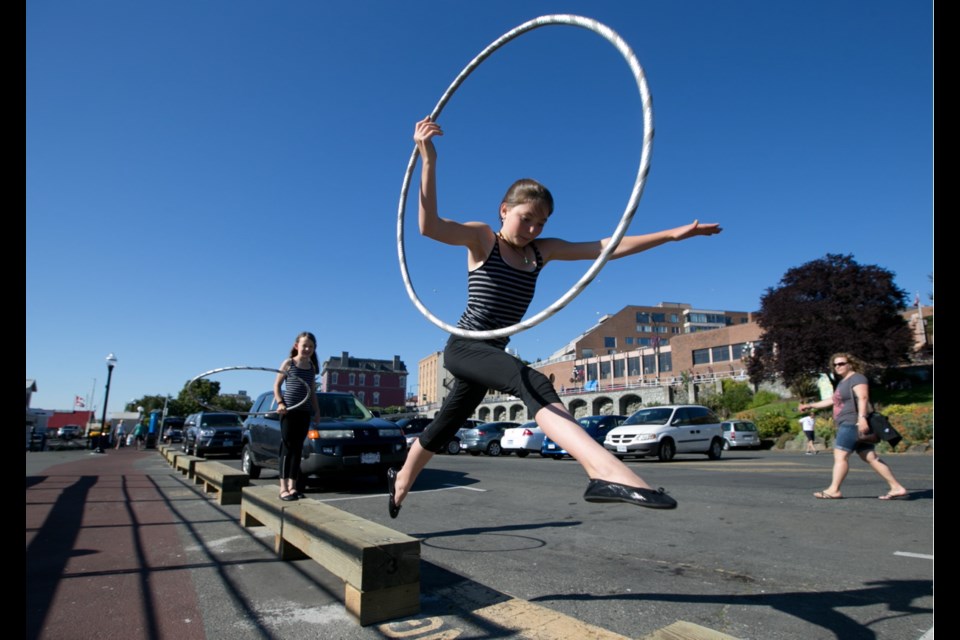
228,443
370,458
621,448
551,446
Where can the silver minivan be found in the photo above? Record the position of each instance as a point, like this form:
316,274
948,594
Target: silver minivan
740,434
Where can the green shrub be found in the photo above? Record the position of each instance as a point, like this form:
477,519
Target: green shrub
736,396
761,398
772,425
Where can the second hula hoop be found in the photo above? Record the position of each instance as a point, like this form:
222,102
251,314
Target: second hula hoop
205,374
628,213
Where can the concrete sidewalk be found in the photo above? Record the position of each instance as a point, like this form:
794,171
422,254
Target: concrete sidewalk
120,545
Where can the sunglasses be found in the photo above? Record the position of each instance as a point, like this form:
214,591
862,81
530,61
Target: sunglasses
840,364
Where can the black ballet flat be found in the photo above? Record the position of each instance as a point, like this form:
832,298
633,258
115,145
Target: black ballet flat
392,505
290,497
603,491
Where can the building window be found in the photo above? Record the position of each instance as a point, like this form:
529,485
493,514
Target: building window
628,340
674,317
376,398
333,377
701,356
721,354
609,342
739,350
644,342
618,368
666,362
376,380
353,379
587,353
649,364
363,379
604,369
659,317
643,316
361,395
633,365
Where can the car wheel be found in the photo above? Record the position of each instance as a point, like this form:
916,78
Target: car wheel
453,447
248,465
715,450
667,450
522,454
493,449
556,457
726,445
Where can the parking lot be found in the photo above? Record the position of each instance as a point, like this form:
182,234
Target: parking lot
509,549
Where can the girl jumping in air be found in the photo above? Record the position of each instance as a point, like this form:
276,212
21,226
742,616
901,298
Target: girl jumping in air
503,267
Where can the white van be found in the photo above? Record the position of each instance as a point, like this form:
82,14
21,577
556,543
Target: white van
666,431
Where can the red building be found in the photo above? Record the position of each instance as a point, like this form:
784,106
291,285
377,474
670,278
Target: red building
378,384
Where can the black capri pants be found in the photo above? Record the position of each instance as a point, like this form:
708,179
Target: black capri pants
293,430
478,366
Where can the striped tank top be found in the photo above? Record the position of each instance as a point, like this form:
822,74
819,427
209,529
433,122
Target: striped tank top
297,382
497,294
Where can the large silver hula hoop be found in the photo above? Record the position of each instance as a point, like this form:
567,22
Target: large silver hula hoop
628,213
205,374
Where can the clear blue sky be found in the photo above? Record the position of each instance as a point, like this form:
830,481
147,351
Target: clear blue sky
205,180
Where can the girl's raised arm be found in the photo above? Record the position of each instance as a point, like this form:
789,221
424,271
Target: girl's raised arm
556,249
432,225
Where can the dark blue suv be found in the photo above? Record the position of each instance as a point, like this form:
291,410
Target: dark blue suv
348,438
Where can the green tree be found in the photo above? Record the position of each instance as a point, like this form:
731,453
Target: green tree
826,306
202,390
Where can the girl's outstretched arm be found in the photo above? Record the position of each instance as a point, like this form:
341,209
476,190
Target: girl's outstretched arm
431,224
556,249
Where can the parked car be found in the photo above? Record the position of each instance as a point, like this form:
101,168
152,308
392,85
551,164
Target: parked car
524,439
485,438
69,431
413,427
209,432
348,439
740,433
171,429
667,431
596,426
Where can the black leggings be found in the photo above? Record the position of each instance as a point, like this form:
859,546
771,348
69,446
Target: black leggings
293,429
477,367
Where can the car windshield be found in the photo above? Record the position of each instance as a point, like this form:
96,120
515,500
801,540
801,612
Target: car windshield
658,415
221,420
342,408
586,423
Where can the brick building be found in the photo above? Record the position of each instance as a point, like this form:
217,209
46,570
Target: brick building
377,383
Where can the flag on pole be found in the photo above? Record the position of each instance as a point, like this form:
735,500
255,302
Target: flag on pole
79,402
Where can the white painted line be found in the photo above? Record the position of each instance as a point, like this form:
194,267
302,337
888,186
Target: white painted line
449,487
907,554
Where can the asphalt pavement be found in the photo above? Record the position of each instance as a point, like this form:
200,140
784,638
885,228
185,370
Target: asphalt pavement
120,545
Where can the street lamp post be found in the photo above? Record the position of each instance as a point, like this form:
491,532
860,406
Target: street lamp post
111,363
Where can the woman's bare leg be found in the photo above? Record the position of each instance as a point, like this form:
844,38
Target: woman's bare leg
878,465
841,465
599,463
417,459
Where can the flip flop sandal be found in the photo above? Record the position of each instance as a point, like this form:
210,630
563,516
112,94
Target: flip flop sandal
823,495
894,496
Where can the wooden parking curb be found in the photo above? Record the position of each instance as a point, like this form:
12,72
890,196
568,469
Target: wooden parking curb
380,567
222,479
185,464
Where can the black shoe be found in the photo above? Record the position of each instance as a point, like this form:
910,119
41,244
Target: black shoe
290,497
392,506
603,491
301,495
